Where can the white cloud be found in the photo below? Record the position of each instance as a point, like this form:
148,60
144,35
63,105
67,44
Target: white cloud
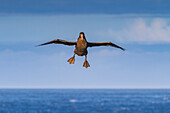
156,31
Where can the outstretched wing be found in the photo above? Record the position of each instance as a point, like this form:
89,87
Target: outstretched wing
58,41
90,44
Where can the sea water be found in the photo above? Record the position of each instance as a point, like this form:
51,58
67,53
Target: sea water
84,101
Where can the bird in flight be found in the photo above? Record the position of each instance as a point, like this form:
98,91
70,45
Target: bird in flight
81,46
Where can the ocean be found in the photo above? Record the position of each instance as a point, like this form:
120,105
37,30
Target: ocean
84,101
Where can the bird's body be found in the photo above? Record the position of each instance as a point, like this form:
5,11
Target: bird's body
81,47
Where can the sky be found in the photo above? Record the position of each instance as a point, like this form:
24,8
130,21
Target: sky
141,27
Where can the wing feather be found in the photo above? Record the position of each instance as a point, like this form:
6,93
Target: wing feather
58,41
90,44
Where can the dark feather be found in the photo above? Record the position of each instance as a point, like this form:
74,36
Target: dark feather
90,44
58,41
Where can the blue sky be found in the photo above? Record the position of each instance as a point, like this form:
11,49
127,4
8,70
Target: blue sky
85,6
143,28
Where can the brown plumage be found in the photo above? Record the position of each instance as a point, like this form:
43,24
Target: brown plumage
81,46
58,41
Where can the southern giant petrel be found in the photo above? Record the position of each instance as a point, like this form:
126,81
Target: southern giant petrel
81,46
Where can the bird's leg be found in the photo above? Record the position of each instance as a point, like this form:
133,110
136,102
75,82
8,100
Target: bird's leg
86,64
72,59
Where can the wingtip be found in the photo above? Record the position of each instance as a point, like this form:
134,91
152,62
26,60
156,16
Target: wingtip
123,49
38,45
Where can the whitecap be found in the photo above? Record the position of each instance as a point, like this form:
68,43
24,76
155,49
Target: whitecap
124,108
73,100
165,98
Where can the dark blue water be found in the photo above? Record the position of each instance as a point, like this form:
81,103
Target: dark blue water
84,101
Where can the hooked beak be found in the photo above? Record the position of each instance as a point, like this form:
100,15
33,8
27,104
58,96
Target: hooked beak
81,35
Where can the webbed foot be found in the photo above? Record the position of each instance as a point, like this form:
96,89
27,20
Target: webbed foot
86,64
71,60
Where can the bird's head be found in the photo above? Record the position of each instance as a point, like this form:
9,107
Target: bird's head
82,35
